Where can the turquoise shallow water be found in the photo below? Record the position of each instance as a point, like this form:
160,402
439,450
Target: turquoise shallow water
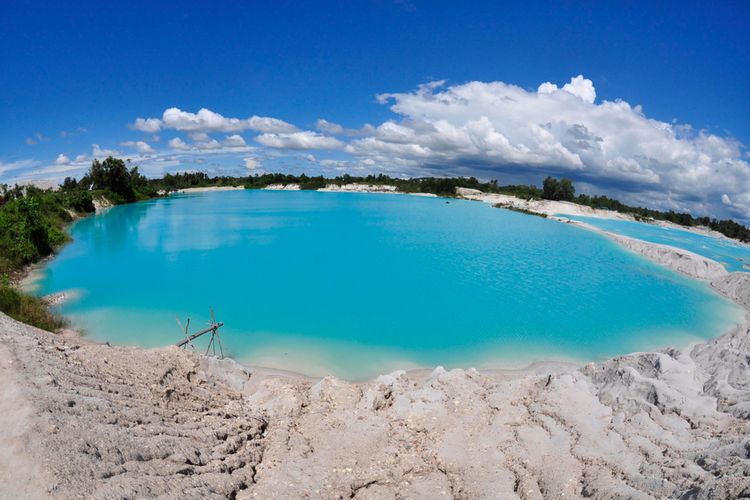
359,284
733,255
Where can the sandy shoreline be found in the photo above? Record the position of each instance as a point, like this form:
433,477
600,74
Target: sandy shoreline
121,421
209,189
553,208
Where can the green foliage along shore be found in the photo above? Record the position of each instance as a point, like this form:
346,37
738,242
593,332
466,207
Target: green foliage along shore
561,190
113,180
31,227
28,309
33,220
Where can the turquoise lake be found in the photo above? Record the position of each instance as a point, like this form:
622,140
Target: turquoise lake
733,255
360,284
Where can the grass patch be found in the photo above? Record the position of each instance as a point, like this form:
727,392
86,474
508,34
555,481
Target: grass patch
28,309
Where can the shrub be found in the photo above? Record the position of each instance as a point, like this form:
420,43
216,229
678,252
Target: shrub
28,309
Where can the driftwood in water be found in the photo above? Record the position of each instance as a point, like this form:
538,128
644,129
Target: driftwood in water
194,336
213,329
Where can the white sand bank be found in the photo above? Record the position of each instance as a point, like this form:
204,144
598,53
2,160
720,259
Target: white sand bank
359,188
208,189
282,187
549,207
369,188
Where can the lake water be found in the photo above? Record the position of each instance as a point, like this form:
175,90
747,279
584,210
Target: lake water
360,284
734,255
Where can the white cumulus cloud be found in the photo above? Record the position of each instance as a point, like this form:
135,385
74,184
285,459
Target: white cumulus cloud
269,125
579,86
252,163
178,144
208,121
98,152
481,127
62,160
335,129
148,125
234,141
141,146
299,140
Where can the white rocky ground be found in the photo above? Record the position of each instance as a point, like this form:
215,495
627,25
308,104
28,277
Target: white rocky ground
547,207
550,207
282,187
211,188
368,188
359,188
683,261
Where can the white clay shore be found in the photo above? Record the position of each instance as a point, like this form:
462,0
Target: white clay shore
551,208
209,189
347,188
93,421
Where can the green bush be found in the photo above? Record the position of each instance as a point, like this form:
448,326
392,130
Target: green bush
312,183
80,201
27,233
28,309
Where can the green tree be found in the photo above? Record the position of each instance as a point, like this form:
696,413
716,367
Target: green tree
550,188
565,190
69,184
34,225
113,175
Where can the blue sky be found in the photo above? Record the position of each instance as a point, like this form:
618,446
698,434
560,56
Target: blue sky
79,74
